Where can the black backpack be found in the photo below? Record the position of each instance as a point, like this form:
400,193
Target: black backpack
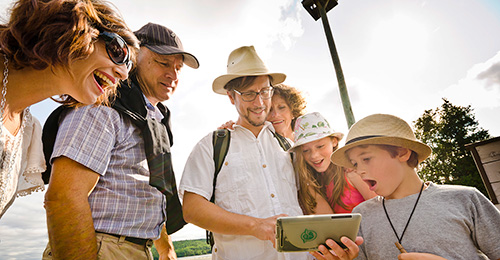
221,139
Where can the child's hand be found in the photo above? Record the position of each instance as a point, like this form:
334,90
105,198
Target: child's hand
228,125
349,170
419,256
355,179
338,252
351,173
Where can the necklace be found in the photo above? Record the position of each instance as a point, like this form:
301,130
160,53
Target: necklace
5,162
411,214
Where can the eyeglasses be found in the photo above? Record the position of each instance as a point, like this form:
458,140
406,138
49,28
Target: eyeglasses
117,49
265,93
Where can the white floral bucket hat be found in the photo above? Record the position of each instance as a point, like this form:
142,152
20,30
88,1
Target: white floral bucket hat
311,127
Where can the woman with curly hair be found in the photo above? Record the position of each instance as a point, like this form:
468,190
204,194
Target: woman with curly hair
287,105
77,49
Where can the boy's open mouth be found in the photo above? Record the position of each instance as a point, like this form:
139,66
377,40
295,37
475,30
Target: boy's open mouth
371,183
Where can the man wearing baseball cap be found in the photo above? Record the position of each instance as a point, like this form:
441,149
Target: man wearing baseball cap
112,171
256,183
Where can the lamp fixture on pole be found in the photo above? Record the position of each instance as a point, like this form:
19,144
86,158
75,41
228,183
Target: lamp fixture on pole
318,9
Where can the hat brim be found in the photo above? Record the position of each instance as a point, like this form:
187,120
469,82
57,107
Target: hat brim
304,141
189,59
423,151
221,81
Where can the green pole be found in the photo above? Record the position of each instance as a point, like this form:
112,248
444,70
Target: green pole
346,104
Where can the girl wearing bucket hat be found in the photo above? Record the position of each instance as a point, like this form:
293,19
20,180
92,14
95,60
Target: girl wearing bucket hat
319,179
410,215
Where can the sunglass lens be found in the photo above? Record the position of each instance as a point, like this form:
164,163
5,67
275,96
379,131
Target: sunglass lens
118,51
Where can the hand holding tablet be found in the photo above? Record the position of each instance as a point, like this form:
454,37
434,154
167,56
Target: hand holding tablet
306,233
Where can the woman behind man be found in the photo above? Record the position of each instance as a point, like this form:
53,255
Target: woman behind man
323,185
78,49
287,105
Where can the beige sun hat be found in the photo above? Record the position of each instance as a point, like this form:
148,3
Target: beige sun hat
380,129
244,61
311,127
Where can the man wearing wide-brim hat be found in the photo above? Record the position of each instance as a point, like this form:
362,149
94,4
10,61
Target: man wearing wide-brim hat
256,183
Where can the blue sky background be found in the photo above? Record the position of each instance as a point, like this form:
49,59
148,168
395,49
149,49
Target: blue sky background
398,56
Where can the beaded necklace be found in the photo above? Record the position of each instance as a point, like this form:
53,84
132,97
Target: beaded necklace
7,161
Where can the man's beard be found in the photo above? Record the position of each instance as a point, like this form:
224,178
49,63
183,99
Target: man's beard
255,123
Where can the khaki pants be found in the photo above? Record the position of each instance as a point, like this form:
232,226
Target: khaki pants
110,248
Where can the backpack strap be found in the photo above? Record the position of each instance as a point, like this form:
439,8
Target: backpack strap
49,134
220,140
282,141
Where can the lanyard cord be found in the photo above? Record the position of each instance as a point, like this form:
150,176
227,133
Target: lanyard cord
408,222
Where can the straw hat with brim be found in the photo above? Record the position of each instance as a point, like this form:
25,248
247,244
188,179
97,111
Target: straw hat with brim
380,129
311,127
164,41
244,61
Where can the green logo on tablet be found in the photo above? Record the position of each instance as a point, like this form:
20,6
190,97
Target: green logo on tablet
308,235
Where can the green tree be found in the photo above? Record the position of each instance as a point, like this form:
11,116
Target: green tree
447,129
156,256
187,248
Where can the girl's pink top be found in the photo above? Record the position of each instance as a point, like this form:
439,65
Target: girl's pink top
351,197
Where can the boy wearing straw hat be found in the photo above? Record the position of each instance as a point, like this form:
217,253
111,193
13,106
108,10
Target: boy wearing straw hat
256,183
413,219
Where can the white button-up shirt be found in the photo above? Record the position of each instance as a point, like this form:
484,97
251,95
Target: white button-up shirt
256,179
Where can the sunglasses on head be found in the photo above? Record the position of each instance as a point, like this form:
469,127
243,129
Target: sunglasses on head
117,49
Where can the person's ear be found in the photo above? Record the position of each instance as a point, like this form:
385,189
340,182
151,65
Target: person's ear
403,154
335,142
231,97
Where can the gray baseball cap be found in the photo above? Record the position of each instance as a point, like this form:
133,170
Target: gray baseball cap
164,41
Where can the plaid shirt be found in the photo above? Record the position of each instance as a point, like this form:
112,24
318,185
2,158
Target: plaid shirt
122,202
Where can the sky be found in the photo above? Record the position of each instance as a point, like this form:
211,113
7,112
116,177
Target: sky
400,57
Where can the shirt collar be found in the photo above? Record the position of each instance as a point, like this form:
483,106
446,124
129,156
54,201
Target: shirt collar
153,111
267,124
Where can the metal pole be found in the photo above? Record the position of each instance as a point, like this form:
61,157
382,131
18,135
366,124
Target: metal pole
346,104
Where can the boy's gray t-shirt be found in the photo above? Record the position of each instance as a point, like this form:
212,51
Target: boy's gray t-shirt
454,222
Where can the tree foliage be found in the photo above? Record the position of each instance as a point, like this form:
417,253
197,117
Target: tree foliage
188,248
447,129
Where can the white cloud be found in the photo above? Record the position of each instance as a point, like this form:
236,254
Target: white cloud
221,24
490,73
480,88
